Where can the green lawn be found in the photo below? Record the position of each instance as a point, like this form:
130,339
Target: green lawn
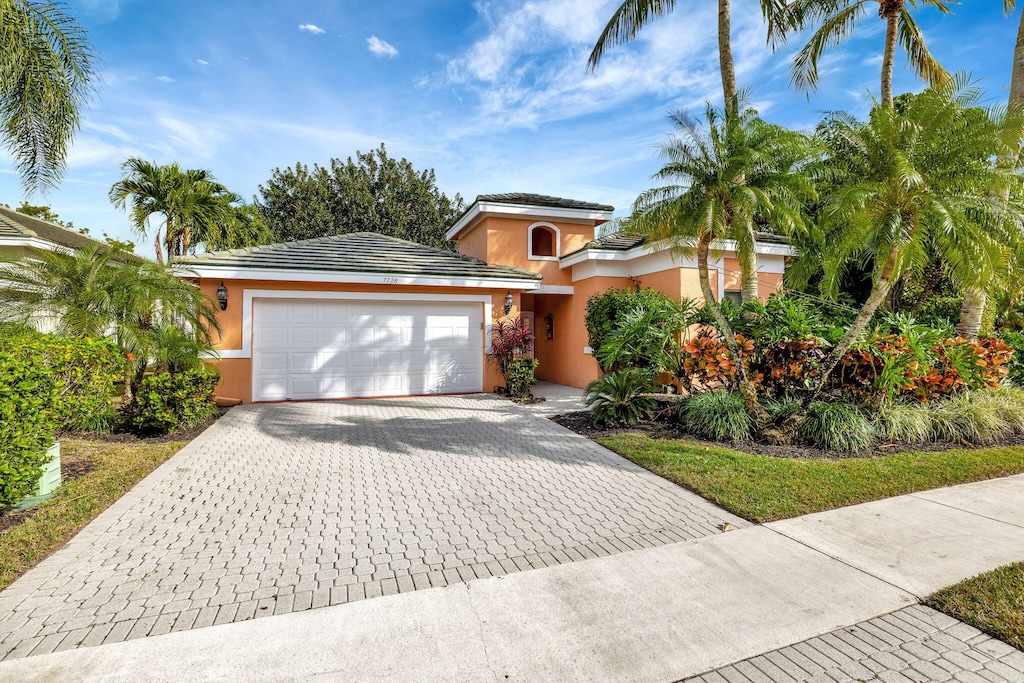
116,468
762,488
992,602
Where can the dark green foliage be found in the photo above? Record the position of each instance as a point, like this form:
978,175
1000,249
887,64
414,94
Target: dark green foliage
1016,365
718,415
607,311
796,318
372,193
837,427
167,401
519,376
618,398
49,385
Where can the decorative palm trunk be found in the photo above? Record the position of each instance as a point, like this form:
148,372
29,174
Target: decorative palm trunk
971,312
890,11
748,275
747,388
725,51
159,249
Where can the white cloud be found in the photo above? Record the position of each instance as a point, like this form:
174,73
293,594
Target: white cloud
312,28
202,62
165,79
381,48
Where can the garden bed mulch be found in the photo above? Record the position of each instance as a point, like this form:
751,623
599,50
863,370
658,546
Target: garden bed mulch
583,423
75,465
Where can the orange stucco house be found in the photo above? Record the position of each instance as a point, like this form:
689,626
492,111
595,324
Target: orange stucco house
364,315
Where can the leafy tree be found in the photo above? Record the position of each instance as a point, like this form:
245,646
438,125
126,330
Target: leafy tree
371,193
43,213
835,20
241,225
46,70
728,172
191,202
104,292
908,182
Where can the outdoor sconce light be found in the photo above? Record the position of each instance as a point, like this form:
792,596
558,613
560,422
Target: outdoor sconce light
508,303
222,296
549,325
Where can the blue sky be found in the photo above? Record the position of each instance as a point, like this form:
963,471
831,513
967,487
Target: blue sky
492,94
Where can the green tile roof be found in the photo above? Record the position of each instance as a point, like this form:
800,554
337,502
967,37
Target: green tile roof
18,225
358,252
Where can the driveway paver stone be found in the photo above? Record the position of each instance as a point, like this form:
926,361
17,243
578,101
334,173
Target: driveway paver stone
281,508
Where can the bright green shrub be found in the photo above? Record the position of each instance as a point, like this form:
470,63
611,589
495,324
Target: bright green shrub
1016,364
977,417
166,402
903,422
716,415
618,398
607,311
29,420
837,427
519,376
49,385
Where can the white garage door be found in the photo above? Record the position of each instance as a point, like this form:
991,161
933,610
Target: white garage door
309,349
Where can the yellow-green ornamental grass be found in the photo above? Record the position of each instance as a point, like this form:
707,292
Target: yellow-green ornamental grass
116,468
763,489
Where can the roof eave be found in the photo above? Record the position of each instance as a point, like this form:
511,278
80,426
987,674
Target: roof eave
511,281
480,208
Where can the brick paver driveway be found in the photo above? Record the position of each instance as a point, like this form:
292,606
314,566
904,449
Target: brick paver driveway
279,508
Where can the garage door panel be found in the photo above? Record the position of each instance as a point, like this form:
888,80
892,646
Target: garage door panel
342,348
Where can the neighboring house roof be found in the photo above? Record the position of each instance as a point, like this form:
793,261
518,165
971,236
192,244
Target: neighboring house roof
525,204
17,228
620,241
542,200
358,252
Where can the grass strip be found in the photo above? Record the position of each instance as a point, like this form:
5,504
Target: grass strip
116,468
992,602
763,489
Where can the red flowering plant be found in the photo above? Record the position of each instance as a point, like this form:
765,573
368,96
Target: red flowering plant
511,346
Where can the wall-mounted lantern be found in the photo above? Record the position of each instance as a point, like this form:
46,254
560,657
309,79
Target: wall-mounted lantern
508,303
222,296
549,325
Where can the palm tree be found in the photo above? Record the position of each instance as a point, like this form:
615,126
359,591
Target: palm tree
633,15
973,308
906,183
835,20
98,291
190,201
731,171
46,72
241,226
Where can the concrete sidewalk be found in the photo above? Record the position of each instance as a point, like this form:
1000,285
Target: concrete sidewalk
657,614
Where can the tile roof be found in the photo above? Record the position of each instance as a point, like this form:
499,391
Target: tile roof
542,200
620,241
18,225
357,252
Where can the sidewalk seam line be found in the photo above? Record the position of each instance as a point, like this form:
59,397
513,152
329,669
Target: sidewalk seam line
969,512
920,599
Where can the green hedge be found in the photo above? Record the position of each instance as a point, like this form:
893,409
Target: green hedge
165,401
48,385
606,309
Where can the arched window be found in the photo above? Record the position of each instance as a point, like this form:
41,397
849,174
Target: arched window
543,242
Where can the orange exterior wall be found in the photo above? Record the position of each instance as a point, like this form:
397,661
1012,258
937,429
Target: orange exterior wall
236,373
506,241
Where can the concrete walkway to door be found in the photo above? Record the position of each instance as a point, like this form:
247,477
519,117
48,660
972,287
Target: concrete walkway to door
290,507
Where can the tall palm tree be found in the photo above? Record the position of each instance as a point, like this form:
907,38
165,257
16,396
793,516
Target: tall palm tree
730,171
633,15
909,182
190,201
623,27
98,291
835,20
973,308
46,70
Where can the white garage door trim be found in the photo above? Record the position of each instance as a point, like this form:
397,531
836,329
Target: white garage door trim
249,295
